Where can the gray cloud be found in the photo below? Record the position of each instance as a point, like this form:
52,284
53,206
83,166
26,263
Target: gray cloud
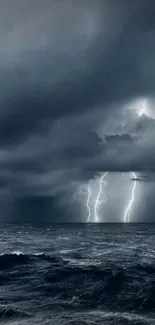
69,72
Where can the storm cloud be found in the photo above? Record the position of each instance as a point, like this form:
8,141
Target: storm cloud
73,76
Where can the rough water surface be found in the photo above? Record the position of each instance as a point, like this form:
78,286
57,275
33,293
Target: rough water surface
77,274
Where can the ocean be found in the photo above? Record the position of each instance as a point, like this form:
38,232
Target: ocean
77,274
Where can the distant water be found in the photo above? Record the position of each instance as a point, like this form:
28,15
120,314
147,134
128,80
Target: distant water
77,274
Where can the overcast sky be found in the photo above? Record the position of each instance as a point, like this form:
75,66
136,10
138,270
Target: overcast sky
74,76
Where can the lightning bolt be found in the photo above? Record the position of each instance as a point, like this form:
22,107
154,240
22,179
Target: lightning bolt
142,111
97,202
128,209
129,206
87,203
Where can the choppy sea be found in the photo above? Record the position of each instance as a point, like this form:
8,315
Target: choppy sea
77,274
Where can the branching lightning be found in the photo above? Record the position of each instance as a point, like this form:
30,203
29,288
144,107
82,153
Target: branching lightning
129,207
98,202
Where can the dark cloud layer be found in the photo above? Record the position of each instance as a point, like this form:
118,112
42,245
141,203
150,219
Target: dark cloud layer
69,74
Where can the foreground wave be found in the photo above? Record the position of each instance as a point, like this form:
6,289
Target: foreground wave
131,287
78,282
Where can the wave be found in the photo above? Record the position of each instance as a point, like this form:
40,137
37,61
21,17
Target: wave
11,259
109,317
130,287
7,313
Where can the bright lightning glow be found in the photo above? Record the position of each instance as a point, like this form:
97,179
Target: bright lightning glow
97,202
88,201
143,110
129,207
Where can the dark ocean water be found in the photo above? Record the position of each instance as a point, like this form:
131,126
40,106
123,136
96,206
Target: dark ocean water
77,274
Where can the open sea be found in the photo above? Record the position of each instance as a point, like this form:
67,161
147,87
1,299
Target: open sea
77,274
